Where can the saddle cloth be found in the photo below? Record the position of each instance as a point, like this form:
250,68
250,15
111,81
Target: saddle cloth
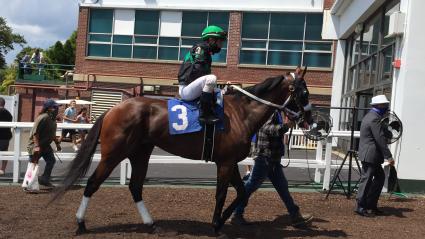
183,115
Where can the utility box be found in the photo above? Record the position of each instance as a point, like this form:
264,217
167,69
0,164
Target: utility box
396,26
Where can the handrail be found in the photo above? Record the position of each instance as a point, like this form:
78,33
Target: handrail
322,164
298,132
130,75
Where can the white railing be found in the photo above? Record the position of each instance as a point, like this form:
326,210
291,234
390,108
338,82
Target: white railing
322,164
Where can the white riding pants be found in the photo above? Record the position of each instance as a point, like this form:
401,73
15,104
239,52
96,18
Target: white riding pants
192,91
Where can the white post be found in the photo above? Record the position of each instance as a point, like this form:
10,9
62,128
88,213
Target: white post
319,152
16,154
328,157
123,171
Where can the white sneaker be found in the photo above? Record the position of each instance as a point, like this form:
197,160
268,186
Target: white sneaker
75,147
1,172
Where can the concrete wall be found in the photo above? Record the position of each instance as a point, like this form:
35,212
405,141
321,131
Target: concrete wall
409,88
234,5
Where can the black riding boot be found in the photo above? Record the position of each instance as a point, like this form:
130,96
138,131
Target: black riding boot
206,114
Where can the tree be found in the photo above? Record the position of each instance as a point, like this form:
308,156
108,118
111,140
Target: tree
69,53
7,39
63,53
56,53
8,78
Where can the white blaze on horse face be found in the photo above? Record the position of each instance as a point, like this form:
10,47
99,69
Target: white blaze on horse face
82,209
147,219
182,115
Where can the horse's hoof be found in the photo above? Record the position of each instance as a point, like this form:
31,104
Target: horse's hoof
81,228
222,236
218,224
154,229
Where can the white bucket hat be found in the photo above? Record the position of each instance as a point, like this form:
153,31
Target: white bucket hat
379,99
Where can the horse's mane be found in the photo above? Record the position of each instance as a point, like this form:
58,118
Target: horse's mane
263,87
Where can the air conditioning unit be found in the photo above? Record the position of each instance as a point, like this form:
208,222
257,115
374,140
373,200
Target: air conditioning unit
396,27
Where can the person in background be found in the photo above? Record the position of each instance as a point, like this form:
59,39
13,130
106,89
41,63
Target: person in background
82,118
24,66
38,59
5,134
42,134
267,151
373,150
69,116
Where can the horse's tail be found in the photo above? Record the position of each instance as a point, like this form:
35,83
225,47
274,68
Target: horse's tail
82,160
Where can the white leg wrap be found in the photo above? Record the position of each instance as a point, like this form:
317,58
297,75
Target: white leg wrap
147,219
82,209
210,83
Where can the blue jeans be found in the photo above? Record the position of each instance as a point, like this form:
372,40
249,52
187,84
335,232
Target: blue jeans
50,160
263,169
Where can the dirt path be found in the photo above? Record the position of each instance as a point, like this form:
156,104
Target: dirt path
187,213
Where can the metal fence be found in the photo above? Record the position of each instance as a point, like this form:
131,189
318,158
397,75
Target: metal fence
322,163
45,73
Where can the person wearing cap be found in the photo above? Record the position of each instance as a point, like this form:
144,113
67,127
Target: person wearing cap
373,149
195,78
42,134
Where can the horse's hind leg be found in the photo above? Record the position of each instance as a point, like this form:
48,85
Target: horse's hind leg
139,166
101,173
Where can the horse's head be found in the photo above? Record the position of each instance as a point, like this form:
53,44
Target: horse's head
299,108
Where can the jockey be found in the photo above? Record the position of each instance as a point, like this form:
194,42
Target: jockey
195,78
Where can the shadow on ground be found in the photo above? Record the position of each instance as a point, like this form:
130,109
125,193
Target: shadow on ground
279,228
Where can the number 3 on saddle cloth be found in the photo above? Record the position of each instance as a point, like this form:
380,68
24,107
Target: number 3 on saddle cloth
183,118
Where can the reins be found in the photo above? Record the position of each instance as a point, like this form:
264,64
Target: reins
254,97
279,107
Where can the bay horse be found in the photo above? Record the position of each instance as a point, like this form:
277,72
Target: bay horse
134,127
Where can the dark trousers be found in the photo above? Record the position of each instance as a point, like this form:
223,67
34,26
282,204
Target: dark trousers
50,160
371,183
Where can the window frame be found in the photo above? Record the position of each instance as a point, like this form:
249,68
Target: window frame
157,45
269,40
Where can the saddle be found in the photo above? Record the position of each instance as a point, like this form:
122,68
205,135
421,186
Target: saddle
183,118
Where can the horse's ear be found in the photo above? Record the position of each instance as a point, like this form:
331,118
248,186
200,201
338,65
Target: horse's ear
304,71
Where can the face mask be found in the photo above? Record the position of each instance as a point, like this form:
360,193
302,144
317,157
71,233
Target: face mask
214,48
53,114
381,111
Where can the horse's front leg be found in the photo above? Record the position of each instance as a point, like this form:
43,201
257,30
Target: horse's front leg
237,183
224,174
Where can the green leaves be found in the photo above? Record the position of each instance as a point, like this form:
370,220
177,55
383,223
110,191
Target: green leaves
63,53
7,40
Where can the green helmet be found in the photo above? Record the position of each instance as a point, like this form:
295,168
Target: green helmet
213,32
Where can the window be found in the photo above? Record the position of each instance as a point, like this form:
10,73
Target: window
100,32
150,34
369,59
289,39
192,25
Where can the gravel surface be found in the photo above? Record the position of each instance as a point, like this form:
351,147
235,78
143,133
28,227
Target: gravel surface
187,213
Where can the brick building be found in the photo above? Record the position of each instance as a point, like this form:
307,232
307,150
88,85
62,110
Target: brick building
134,47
